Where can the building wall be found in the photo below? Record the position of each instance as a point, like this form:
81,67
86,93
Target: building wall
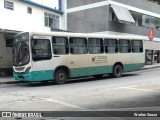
91,20
13,21
142,4
5,53
97,19
19,20
49,3
131,29
152,45
76,3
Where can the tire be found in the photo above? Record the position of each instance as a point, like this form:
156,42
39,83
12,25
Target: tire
98,76
60,76
117,71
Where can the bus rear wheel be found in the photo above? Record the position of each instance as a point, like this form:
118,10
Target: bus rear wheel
60,76
117,71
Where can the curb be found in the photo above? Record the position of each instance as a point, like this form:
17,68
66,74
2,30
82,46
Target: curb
10,82
149,68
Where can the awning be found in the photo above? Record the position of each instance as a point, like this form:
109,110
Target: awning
123,14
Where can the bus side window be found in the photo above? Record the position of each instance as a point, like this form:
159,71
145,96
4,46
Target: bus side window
78,45
111,45
41,49
60,45
124,46
95,45
137,46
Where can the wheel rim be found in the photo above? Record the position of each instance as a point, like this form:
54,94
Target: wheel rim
61,76
118,70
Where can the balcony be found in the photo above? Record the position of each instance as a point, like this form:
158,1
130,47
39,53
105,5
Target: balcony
130,29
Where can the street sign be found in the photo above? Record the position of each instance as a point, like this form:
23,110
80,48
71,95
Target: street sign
151,34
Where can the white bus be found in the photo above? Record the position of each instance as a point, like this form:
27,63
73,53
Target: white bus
59,56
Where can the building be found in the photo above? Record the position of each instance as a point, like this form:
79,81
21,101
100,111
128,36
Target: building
127,17
136,17
25,15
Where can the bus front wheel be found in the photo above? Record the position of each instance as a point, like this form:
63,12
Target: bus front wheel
117,71
60,76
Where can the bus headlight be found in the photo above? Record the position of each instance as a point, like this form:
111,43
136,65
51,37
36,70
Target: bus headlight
27,69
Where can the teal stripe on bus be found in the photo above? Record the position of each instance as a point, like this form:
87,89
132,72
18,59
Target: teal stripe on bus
35,76
78,72
74,72
132,67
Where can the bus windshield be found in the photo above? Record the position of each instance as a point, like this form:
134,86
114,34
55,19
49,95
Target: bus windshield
21,50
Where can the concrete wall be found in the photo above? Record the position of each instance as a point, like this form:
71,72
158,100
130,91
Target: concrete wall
5,53
142,4
91,20
76,3
97,19
130,29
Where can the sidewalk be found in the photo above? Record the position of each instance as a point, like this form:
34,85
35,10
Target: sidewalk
10,79
150,66
7,80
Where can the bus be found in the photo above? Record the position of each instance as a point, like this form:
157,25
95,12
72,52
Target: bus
59,56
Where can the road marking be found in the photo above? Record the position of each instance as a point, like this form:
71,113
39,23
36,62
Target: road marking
129,87
147,90
62,103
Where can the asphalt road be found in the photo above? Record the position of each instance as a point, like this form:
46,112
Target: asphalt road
134,91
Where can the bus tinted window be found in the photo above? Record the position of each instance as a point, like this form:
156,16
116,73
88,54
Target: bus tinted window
60,45
137,46
124,46
95,45
41,49
111,45
78,45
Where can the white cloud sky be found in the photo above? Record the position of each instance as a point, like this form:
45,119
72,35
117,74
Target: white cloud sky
49,3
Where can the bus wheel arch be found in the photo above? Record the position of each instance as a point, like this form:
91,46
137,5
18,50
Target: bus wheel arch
117,70
61,74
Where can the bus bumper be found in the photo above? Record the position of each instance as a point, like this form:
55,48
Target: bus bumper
35,76
23,77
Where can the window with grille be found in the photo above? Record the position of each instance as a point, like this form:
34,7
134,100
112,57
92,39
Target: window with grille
51,20
29,10
8,5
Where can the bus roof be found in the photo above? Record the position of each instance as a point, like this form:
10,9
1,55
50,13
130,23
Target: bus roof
86,35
